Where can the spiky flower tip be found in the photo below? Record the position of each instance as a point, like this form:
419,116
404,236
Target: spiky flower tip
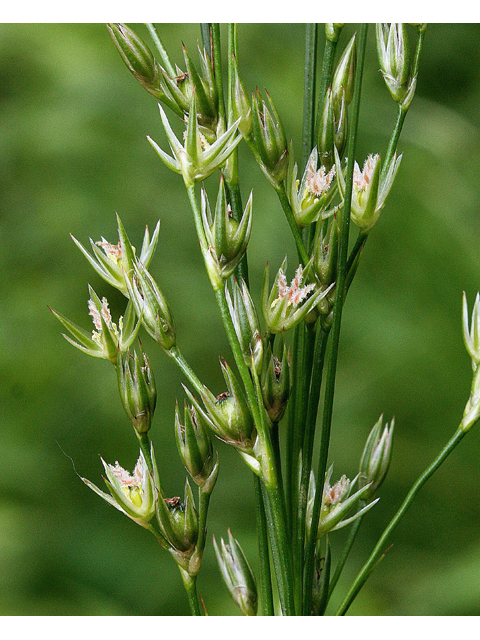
286,306
294,293
337,502
319,182
131,493
361,179
310,197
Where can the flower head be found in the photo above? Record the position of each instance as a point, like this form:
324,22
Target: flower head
196,159
286,306
336,503
311,197
371,187
108,338
114,262
133,493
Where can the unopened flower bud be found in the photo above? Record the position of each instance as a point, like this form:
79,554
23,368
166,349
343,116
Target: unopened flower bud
237,575
138,57
195,448
376,456
137,389
394,57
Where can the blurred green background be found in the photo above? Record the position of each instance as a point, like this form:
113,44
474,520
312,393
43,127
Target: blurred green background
73,152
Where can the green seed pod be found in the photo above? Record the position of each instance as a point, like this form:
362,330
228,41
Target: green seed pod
275,380
137,389
195,448
178,522
326,251
228,414
152,307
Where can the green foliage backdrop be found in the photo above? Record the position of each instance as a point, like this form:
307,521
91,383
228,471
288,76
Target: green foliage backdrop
73,152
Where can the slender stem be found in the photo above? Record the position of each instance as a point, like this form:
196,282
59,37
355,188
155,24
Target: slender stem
161,49
204,502
392,145
326,78
282,196
190,584
276,514
217,67
206,37
346,551
266,594
303,388
175,354
336,325
309,91
379,549
321,341
289,480
144,441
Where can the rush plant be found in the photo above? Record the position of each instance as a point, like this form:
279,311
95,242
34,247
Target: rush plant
279,361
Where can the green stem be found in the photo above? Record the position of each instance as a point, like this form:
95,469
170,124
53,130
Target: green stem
266,594
161,50
144,441
282,196
190,584
183,365
217,67
346,551
231,169
321,341
379,549
204,502
336,325
205,28
309,91
303,389
290,429
392,145
326,78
